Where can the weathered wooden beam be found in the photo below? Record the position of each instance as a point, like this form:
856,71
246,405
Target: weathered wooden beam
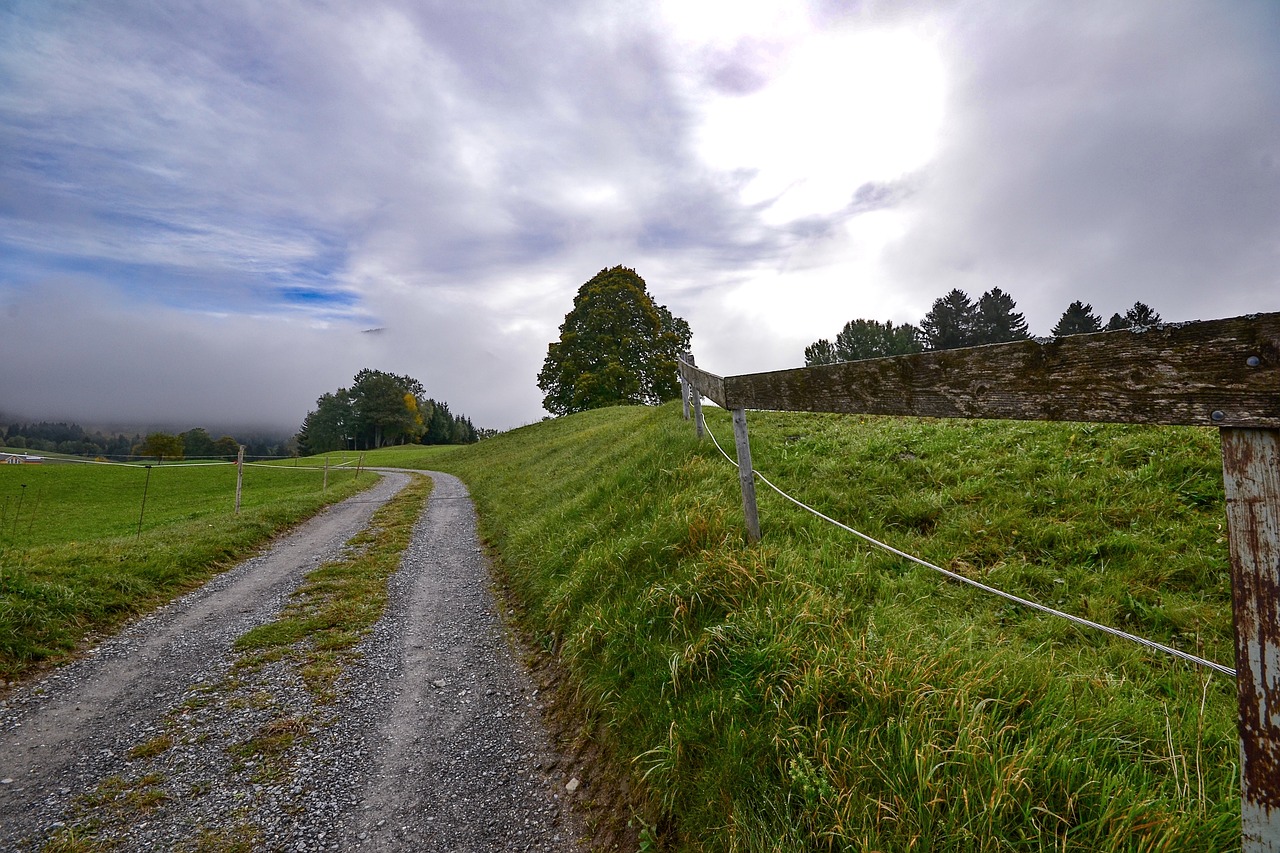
1223,373
1251,477
707,384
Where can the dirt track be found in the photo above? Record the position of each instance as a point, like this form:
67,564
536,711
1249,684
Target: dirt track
435,742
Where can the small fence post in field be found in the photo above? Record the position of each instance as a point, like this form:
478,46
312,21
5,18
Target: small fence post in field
1251,478
239,476
745,475
141,512
326,473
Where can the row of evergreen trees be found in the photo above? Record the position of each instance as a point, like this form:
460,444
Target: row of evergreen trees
74,440
380,409
957,321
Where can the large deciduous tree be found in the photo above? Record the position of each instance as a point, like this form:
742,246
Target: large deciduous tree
1078,319
330,426
387,407
616,347
380,408
861,339
161,445
196,442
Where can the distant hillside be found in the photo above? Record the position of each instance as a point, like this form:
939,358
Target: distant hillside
809,693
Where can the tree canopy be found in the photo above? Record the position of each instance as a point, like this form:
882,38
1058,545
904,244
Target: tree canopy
379,409
1078,319
996,321
952,322
1140,315
161,445
616,347
861,339
955,321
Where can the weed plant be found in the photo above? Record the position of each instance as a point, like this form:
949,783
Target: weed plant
808,693
72,562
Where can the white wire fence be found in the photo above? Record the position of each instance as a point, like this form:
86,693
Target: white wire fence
19,511
1023,602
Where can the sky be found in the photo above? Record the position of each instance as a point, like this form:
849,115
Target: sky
211,213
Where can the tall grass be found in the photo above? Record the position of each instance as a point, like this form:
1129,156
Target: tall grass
73,562
807,693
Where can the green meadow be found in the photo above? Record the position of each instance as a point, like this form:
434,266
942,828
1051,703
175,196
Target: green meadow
401,456
806,692
810,693
76,562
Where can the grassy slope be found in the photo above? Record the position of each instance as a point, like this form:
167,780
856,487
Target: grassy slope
809,694
71,565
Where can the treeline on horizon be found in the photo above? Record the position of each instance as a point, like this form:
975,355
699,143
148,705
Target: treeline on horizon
381,409
957,321
196,443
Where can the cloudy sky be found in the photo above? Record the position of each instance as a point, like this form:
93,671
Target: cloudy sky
205,206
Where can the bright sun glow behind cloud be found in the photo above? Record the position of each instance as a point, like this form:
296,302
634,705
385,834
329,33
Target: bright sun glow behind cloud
831,109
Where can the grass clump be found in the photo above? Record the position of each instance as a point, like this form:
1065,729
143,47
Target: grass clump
808,693
111,807
150,748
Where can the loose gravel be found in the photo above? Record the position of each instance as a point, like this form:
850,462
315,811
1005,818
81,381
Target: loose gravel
156,740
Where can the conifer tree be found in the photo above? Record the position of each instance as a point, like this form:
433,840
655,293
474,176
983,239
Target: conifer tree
820,351
1139,315
950,323
1078,319
997,322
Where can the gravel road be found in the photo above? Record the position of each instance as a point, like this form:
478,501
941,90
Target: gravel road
435,741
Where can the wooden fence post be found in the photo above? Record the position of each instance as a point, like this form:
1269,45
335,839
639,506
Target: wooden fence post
141,512
325,488
698,422
745,475
239,476
684,384
1251,477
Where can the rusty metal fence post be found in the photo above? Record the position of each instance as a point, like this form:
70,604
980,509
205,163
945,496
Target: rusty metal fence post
1251,478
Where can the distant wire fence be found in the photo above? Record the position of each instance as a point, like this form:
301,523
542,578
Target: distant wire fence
16,510
1219,373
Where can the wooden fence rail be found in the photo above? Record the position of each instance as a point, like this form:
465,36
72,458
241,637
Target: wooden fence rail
1220,373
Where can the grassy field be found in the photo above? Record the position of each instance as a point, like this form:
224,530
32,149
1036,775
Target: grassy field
73,562
401,456
809,694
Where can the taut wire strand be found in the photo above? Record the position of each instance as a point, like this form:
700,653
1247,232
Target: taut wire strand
1077,620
